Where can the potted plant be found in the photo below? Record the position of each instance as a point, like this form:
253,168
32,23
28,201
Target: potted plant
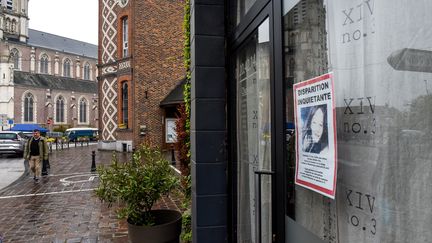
137,185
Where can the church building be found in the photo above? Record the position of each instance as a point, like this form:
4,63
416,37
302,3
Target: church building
45,79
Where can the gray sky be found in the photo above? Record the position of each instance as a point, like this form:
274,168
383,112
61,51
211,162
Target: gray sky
76,19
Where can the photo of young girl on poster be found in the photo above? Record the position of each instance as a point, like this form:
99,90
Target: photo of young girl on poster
315,129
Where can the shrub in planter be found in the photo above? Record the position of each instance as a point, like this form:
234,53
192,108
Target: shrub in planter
137,184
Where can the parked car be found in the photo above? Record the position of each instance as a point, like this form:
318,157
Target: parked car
12,142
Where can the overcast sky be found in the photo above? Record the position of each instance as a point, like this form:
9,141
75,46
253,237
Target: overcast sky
76,19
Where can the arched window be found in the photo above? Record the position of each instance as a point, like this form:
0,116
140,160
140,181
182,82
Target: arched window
87,71
60,109
14,26
125,107
125,37
44,64
83,111
28,107
14,54
7,24
67,68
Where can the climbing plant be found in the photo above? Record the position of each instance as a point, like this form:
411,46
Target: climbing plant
183,131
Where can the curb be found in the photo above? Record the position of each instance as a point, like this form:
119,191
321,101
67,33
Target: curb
19,179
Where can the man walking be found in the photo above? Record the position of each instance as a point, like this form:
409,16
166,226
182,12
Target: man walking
35,151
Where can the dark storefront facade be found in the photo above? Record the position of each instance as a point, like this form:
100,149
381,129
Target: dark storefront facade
246,57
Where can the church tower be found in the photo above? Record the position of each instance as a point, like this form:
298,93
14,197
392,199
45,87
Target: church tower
14,20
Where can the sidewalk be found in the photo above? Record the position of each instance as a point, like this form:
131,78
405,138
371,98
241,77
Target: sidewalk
63,207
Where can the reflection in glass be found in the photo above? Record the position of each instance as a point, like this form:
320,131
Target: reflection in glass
305,57
384,118
254,136
239,9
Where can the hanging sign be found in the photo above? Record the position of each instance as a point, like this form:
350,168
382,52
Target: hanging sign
315,118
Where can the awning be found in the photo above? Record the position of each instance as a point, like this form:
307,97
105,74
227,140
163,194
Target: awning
174,97
28,128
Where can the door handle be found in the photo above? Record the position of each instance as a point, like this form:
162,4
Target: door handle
259,173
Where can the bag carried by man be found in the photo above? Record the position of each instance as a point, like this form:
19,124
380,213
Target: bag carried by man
45,167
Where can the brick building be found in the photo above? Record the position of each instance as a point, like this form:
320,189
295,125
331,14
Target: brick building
44,76
140,63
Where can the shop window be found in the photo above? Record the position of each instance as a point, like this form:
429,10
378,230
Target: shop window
383,119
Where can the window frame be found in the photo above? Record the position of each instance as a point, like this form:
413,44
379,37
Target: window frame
67,68
9,4
60,115
86,71
83,111
15,55
43,64
125,36
125,103
29,108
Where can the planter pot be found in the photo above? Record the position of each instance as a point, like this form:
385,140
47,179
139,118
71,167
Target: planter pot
166,230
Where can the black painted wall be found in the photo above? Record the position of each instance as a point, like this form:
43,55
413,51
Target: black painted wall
208,123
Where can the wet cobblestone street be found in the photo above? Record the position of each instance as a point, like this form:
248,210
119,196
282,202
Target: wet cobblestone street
62,207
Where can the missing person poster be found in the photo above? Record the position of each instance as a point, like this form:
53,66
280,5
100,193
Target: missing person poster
315,118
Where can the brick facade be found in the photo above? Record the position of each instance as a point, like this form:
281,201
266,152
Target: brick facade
152,69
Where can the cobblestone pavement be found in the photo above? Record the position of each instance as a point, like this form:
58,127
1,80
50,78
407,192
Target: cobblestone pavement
62,207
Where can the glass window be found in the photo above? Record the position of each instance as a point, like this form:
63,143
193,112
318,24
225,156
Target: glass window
60,109
252,75
67,68
87,71
44,64
9,4
14,26
14,54
382,86
125,103
239,9
7,24
83,111
28,107
125,35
